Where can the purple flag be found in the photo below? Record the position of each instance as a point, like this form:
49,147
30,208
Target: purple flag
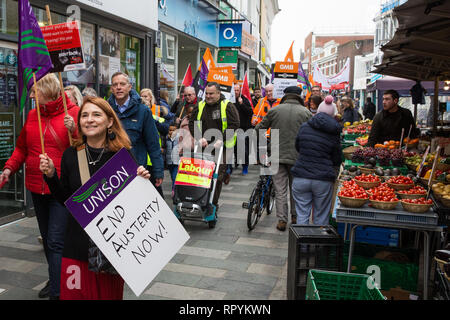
302,77
33,52
201,80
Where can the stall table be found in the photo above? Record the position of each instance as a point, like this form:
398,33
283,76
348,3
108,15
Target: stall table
397,218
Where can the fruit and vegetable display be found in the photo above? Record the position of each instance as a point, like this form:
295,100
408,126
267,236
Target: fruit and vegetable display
384,196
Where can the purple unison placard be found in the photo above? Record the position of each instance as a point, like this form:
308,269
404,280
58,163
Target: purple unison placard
88,201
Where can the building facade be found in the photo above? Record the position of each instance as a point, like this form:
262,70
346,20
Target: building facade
114,38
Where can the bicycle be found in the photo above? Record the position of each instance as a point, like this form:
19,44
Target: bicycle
262,198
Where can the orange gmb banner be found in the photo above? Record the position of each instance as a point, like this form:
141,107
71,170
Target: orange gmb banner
222,76
286,67
195,172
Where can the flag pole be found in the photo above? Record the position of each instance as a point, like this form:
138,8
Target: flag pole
63,94
38,113
182,109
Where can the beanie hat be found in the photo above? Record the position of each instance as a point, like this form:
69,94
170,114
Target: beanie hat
294,90
327,106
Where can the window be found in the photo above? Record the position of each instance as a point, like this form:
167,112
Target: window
170,47
3,16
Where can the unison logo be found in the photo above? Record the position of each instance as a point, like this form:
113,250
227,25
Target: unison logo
102,190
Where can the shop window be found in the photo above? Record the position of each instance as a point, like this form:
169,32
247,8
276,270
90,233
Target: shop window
3,16
170,47
8,17
118,52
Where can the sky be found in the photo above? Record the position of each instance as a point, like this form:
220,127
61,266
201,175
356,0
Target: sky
298,18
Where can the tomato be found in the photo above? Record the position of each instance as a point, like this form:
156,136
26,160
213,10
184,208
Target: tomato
418,201
401,180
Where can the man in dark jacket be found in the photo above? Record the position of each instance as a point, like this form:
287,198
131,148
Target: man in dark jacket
287,118
137,120
245,115
190,100
256,96
369,109
388,123
208,115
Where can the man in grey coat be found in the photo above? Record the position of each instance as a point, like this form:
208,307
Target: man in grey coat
287,119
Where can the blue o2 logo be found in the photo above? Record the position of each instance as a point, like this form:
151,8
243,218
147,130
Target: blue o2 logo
230,35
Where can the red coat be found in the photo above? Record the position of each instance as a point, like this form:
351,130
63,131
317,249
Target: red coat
56,141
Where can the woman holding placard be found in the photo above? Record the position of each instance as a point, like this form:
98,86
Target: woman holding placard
50,214
101,135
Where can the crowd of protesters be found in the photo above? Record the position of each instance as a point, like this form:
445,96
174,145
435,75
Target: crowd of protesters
157,134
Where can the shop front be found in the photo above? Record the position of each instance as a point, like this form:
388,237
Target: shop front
112,41
186,28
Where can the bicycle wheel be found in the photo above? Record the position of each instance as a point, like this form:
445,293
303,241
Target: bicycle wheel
271,199
253,209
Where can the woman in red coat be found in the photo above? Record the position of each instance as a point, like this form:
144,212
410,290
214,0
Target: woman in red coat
50,214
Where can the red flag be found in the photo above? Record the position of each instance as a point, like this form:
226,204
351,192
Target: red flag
246,90
187,81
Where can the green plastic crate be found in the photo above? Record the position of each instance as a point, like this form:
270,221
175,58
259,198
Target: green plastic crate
353,136
331,285
394,274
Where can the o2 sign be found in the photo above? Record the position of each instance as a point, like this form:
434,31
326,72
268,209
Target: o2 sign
230,35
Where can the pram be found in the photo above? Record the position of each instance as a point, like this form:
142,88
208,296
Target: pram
194,189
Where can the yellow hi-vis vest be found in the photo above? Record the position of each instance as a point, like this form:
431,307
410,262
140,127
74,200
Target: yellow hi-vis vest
160,120
223,115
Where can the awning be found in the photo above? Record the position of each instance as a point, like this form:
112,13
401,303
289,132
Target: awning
420,49
399,84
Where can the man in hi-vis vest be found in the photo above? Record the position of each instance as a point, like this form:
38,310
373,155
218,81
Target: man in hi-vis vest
215,113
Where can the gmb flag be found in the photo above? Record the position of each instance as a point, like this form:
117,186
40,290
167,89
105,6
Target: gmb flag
33,52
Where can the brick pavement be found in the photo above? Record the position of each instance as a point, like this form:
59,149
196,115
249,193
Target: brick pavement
227,262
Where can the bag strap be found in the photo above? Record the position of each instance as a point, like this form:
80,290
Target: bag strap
83,164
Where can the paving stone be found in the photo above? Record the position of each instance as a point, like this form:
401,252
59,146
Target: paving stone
252,257
213,236
183,292
204,252
17,265
28,223
240,248
41,270
22,280
195,270
10,236
23,246
251,278
21,254
256,291
262,243
18,293
31,239
15,228
265,269
217,263
178,278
